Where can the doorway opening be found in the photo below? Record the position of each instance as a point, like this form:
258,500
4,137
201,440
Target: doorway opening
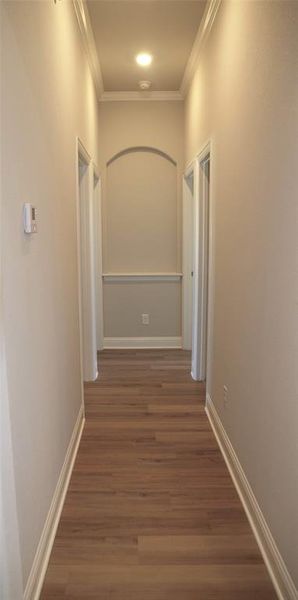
86,263
196,262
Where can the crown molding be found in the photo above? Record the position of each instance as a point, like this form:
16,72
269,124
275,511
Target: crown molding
200,40
85,27
140,96
86,31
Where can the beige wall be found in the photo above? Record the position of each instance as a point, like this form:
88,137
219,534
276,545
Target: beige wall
152,298
47,99
141,215
244,97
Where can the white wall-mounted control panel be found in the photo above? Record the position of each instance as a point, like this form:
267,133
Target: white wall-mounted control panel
29,216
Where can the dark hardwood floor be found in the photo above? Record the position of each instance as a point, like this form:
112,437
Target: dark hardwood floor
151,512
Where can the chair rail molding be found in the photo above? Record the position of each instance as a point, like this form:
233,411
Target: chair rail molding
140,277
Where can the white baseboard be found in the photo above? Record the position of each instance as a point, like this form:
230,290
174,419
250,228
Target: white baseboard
40,563
278,572
142,342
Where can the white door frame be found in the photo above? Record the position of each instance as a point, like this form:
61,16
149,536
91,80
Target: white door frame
85,237
203,252
187,256
202,258
97,196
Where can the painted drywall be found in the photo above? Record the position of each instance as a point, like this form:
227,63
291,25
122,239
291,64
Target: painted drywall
141,219
133,26
47,99
134,299
244,97
141,213
11,584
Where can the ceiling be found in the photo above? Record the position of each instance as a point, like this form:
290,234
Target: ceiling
164,28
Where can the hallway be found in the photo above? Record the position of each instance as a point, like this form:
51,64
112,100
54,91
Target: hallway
151,511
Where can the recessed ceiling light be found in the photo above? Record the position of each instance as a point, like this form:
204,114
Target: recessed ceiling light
144,59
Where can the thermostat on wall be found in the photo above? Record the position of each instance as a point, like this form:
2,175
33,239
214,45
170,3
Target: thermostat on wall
29,214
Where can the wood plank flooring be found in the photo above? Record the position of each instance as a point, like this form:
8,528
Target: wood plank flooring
151,512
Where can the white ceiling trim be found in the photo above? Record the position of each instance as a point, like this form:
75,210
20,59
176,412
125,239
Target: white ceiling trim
83,18
201,37
140,96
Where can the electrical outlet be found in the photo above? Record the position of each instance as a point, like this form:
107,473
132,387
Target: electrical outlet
145,319
225,395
